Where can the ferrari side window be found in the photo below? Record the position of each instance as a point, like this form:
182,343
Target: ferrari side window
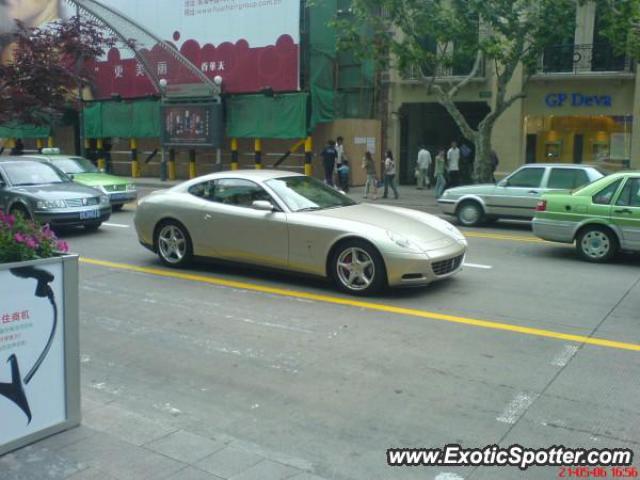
239,192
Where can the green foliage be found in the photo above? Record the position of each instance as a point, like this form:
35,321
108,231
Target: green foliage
22,240
503,31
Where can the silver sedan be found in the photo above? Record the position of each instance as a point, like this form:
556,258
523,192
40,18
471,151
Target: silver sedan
293,222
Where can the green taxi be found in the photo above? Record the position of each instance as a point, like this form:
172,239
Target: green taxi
120,190
601,218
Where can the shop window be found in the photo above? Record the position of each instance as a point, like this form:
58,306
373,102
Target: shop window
605,196
567,178
604,140
526,178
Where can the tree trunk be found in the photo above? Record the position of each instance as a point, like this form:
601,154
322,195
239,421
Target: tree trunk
482,167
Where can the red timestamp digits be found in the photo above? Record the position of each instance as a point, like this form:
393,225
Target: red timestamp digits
598,472
583,472
624,472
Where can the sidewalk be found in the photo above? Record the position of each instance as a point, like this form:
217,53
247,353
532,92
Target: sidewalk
410,196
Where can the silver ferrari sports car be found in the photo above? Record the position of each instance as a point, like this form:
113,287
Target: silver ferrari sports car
294,222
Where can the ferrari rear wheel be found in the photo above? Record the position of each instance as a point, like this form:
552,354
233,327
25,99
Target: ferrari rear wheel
358,268
174,244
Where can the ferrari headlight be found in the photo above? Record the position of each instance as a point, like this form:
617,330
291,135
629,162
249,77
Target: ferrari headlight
51,204
403,241
131,187
104,200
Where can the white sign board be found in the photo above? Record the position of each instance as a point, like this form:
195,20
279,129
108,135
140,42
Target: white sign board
32,365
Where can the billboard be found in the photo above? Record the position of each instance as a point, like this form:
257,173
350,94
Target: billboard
251,44
192,125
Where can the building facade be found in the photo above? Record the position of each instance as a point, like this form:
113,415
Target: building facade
581,106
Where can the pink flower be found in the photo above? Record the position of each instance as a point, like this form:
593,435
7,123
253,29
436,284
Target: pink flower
48,233
62,246
31,243
19,238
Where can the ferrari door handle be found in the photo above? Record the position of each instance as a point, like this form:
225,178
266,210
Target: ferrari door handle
533,192
208,217
624,210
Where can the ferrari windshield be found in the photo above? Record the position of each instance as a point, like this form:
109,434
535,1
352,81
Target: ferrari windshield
33,173
301,193
74,165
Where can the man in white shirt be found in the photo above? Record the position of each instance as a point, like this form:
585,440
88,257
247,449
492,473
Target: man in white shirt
422,168
453,165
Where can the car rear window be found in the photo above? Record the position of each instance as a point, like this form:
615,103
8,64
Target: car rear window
567,178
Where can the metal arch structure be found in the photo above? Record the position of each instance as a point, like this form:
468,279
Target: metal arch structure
141,42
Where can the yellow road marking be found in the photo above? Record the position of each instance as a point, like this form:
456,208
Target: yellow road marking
601,342
499,236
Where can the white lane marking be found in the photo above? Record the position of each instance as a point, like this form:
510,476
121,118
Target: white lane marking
448,476
516,408
564,356
117,225
477,265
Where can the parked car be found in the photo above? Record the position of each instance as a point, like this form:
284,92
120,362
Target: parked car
601,218
517,195
294,222
41,192
120,190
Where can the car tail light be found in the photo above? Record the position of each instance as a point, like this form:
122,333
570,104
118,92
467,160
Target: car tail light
541,206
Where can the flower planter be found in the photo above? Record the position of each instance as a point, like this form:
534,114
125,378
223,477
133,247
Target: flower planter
39,353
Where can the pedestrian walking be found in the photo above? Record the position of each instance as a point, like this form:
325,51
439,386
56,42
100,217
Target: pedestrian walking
340,157
495,161
329,155
466,164
369,166
343,176
441,181
422,168
453,165
390,175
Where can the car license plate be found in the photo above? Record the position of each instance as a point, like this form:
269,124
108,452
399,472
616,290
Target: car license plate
95,213
118,196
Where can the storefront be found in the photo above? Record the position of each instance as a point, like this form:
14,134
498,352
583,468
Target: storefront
569,122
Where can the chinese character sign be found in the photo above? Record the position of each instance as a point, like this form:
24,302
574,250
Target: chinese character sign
250,44
32,372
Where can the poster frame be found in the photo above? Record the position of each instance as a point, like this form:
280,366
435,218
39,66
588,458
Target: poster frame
71,348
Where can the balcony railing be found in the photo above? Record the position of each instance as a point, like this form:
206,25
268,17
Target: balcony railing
583,59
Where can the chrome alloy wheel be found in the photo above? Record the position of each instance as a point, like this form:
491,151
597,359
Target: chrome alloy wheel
172,244
356,269
596,244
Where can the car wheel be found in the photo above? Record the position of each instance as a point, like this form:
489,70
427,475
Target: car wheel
174,244
92,227
470,214
117,208
596,244
20,210
357,268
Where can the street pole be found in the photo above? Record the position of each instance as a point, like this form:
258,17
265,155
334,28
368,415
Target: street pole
163,165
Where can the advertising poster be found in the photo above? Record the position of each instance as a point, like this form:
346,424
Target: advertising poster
32,371
192,125
251,44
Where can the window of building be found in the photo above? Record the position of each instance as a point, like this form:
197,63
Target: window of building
603,140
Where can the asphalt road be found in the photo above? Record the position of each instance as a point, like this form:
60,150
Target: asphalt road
527,345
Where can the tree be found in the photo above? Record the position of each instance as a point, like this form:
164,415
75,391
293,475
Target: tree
50,66
432,38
